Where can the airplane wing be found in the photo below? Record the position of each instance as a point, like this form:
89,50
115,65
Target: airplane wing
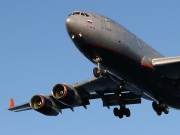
23,107
168,67
80,93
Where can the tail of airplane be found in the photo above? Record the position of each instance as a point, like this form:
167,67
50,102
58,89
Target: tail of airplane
11,103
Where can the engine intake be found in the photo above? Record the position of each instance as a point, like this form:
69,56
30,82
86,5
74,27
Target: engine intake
66,94
43,105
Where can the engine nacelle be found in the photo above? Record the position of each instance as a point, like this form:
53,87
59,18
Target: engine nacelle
66,94
43,105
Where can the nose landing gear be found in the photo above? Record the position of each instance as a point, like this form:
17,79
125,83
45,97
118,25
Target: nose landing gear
97,71
120,97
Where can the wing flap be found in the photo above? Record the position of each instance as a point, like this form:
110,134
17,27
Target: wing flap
105,85
168,67
126,98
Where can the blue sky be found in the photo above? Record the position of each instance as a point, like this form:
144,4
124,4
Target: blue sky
36,53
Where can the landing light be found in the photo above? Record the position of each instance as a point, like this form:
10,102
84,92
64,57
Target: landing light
68,20
80,34
72,36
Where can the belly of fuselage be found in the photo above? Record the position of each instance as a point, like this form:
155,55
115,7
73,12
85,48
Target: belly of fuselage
131,70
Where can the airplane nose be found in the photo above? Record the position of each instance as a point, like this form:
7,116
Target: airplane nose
71,24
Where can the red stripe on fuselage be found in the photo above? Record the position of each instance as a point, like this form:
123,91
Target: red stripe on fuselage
146,65
119,53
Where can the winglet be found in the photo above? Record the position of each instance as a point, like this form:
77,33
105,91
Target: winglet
11,103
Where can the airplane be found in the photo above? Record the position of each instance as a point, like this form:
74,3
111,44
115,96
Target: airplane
127,70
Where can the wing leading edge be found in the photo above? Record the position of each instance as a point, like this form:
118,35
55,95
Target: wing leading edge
103,87
168,67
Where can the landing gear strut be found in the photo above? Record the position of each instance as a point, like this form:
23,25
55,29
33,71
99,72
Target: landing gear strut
98,70
159,108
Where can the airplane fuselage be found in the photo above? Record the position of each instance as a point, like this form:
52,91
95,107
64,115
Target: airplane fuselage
122,53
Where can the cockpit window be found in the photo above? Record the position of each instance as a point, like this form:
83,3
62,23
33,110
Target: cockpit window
79,13
76,13
86,14
83,14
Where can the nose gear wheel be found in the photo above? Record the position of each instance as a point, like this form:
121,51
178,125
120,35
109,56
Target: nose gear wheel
97,71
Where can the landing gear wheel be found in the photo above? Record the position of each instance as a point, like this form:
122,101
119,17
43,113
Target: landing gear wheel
155,106
96,72
159,108
116,111
162,106
166,110
120,114
127,112
159,113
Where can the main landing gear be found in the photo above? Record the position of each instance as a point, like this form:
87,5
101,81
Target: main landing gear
159,108
121,98
97,71
123,111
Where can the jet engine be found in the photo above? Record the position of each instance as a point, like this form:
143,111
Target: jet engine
66,94
44,105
